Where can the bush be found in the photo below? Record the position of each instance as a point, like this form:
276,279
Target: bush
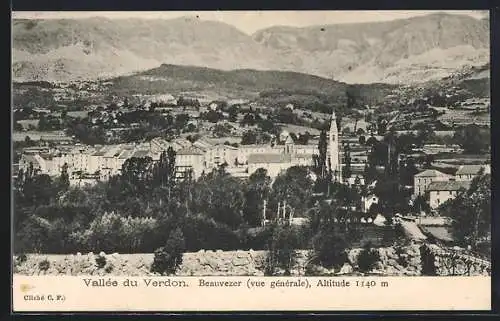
100,261
330,249
427,261
169,257
21,258
44,265
367,258
281,252
109,268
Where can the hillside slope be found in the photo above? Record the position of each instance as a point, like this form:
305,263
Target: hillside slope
240,83
408,50
399,51
87,48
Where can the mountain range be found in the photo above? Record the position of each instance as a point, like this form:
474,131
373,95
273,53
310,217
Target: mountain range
410,50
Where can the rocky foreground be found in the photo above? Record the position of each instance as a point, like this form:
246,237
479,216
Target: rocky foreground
400,261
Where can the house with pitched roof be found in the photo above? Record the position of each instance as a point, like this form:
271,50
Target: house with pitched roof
442,191
469,172
189,159
423,179
273,163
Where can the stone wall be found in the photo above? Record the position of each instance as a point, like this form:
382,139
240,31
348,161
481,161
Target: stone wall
395,261
116,264
451,262
222,263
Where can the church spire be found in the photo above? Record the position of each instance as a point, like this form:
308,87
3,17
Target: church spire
335,165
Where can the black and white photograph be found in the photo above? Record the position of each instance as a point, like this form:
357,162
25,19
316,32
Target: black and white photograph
251,143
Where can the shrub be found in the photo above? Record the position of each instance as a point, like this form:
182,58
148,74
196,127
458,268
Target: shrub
21,258
109,268
367,258
428,261
44,265
330,249
169,257
100,261
281,252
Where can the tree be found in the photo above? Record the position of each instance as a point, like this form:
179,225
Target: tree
420,205
294,187
472,139
38,189
470,212
43,123
346,131
164,169
18,126
367,258
371,141
64,178
378,155
322,148
168,258
303,139
369,173
256,193
381,125
221,197
357,116
28,141
392,153
281,249
346,169
136,171
249,138
329,246
425,134
221,130
391,199
427,260
407,172
248,120
267,125
233,113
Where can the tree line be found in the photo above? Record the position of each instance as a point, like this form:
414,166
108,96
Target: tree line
146,208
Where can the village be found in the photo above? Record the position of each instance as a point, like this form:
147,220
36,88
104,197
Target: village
242,137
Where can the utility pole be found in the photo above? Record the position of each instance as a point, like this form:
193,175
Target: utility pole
278,217
264,213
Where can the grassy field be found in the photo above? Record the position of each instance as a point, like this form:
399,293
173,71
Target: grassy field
27,122
299,129
78,114
460,116
33,135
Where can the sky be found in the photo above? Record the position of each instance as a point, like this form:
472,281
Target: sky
250,21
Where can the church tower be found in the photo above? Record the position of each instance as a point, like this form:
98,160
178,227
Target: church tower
334,158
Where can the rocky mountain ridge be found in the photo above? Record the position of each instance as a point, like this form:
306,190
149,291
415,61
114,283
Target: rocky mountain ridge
399,51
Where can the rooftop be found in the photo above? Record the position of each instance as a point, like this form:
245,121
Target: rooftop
255,146
471,169
140,153
29,158
449,185
430,173
268,158
190,151
127,153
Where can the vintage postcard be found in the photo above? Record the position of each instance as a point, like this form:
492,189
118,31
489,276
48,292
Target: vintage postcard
251,161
